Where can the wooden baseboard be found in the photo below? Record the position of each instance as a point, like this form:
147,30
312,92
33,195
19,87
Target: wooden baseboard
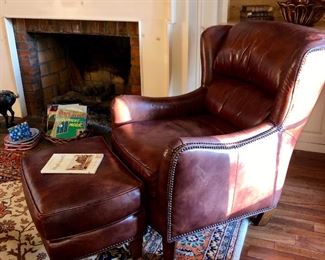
310,147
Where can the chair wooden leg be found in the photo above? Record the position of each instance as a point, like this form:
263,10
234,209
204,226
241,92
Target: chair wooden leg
135,247
169,250
262,219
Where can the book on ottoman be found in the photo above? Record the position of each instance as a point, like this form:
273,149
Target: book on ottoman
73,163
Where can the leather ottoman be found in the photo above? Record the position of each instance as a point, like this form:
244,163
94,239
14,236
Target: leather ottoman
80,215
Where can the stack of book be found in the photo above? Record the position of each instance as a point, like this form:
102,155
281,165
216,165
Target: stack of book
66,121
256,12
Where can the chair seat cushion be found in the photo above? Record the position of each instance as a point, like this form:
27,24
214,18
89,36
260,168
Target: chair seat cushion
142,144
67,204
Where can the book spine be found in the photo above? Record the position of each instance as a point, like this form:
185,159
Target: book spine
257,8
255,14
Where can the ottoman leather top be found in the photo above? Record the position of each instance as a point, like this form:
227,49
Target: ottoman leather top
64,204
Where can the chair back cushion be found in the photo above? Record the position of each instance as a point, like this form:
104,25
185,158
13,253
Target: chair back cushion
264,58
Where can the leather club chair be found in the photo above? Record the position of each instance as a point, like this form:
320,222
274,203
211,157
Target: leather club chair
221,152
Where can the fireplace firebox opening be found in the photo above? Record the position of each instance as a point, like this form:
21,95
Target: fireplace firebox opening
87,62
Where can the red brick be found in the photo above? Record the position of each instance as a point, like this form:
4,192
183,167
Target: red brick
32,25
32,86
49,93
33,61
85,27
43,44
23,37
45,56
135,61
65,75
133,29
50,80
134,42
121,29
44,69
60,26
101,28
28,87
24,54
30,79
23,62
135,90
34,102
94,27
59,52
111,28
56,66
134,77
29,71
135,53
53,26
24,45
19,25
75,26
63,87
44,25
27,61
67,26
20,37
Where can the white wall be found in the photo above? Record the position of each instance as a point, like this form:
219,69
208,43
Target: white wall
189,19
153,17
7,80
313,136
178,42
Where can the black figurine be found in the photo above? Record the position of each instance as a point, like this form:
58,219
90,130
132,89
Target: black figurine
7,99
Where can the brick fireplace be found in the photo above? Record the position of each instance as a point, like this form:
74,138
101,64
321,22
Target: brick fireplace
53,56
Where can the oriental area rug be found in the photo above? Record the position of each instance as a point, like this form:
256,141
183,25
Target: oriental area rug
19,238
10,166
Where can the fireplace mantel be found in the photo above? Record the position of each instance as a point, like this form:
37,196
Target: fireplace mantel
153,17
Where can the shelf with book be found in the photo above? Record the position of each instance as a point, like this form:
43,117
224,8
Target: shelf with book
235,6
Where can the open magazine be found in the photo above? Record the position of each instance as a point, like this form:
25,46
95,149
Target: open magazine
73,163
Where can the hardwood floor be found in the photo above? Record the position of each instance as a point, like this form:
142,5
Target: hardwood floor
297,228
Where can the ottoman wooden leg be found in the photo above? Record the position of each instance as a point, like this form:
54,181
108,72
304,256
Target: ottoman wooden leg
168,250
135,247
263,218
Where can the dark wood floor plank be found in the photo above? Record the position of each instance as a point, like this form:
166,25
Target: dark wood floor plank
300,251
272,254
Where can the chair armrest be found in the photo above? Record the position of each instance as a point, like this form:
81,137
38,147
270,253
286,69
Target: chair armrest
218,179
129,108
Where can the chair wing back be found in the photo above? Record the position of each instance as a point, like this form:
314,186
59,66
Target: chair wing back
261,71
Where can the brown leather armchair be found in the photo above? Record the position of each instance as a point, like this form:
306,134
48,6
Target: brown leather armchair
221,153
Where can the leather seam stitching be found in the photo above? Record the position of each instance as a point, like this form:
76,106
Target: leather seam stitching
59,239
246,215
301,63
